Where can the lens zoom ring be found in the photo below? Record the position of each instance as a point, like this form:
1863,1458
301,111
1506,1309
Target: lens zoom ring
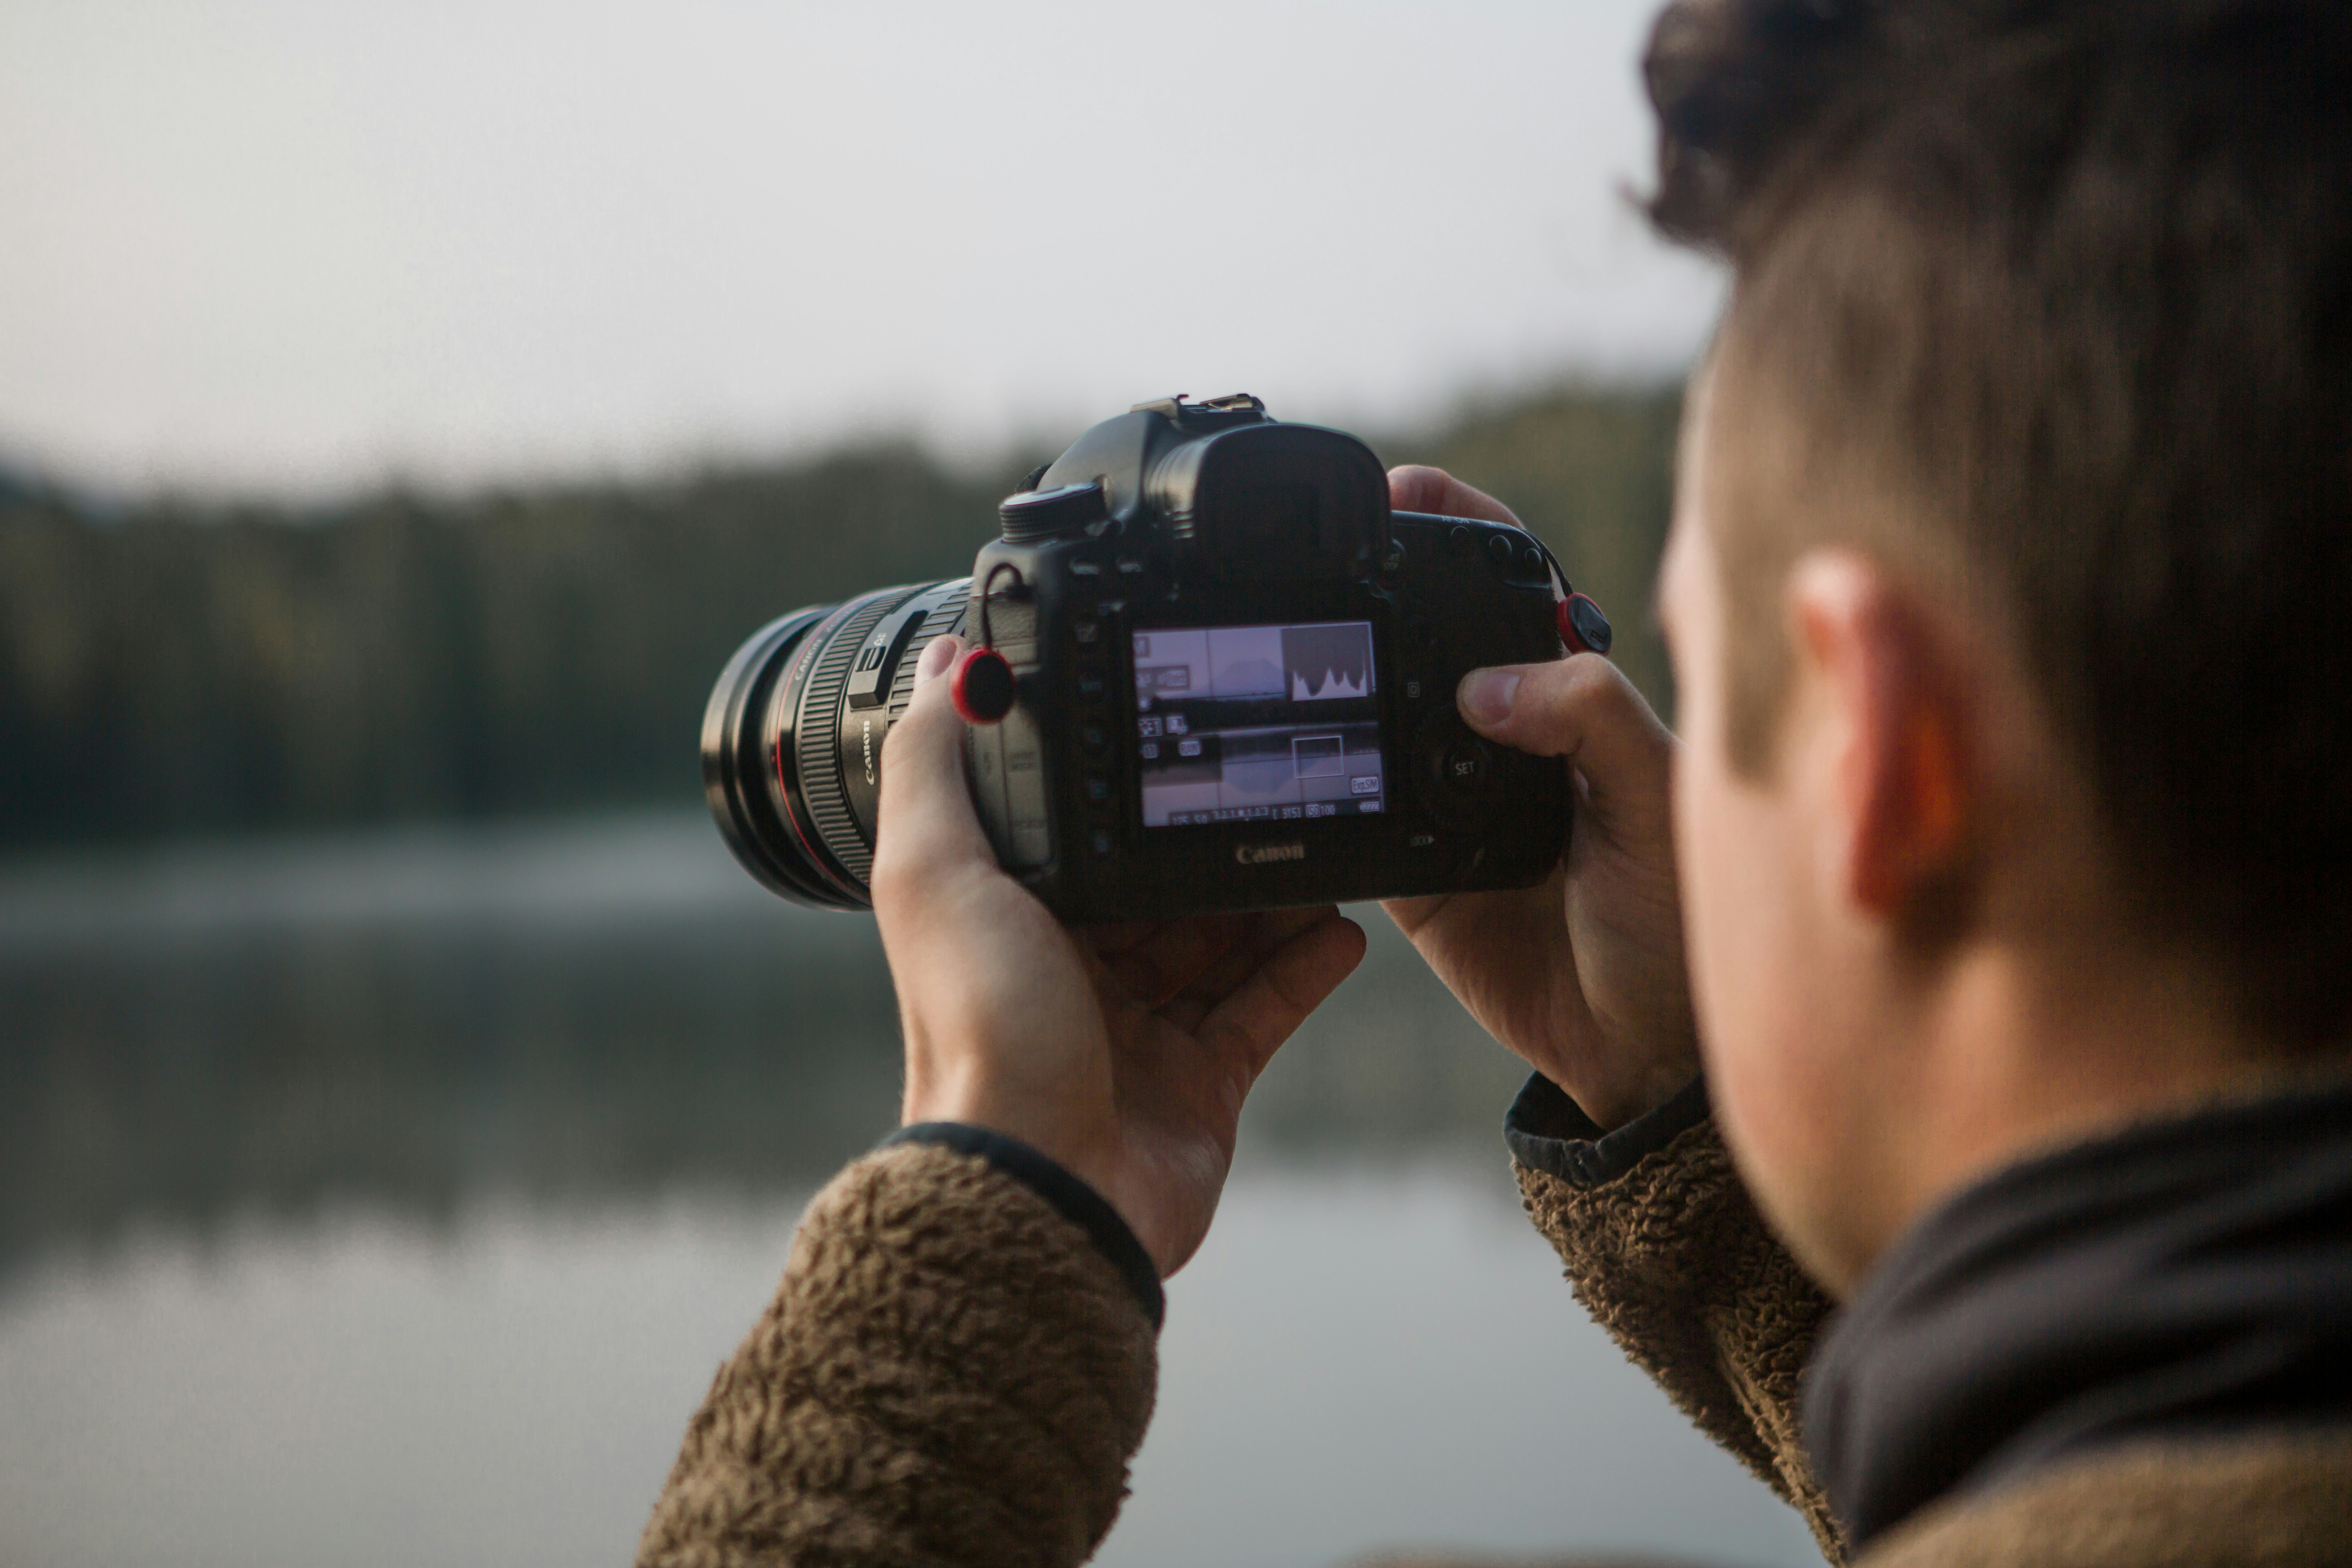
939,621
815,738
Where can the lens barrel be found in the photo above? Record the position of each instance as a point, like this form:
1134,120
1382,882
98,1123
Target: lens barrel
791,738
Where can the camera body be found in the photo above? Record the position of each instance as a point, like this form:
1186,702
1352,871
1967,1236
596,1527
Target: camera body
1235,674
1233,686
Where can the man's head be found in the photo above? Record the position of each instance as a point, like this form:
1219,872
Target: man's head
2011,574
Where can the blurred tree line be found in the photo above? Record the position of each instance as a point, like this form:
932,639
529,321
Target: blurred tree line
179,670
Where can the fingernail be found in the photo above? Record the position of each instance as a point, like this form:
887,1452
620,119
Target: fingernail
1486,695
937,653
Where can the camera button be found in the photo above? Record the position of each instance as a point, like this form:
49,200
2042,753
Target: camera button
1463,541
1454,771
1464,767
1500,551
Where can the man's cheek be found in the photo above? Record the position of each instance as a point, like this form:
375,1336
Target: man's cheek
1727,906
1748,979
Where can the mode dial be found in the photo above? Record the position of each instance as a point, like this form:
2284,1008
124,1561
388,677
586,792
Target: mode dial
1065,509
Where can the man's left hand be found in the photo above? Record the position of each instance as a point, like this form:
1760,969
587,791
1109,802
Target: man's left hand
1122,1052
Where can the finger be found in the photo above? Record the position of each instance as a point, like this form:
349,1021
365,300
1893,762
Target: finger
1260,938
1172,957
1248,1027
1410,914
1118,936
1121,936
1415,488
926,826
1582,708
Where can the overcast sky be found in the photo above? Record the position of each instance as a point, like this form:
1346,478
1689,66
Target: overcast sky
292,248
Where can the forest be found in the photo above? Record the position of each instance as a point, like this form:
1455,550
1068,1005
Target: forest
175,669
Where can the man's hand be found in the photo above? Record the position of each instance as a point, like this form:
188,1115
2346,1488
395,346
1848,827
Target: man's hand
1582,974
1123,1053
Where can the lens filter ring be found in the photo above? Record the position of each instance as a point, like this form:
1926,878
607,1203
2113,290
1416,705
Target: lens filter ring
735,768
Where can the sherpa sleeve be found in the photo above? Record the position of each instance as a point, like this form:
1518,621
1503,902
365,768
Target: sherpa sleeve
1665,1249
956,1370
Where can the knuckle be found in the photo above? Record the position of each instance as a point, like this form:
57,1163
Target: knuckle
898,876
1612,690
1584,683
1553,688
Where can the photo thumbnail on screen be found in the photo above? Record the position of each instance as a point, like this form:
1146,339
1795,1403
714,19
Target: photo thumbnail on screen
1257,724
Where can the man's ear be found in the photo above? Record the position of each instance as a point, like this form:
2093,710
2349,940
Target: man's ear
1898,705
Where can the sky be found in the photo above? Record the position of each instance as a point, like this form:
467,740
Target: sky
286,249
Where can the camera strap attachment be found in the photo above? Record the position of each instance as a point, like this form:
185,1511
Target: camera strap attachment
1582,627
983,686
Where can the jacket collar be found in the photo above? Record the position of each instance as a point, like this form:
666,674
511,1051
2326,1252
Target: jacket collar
2190,1277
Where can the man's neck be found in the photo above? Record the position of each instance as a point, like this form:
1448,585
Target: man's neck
2016,1056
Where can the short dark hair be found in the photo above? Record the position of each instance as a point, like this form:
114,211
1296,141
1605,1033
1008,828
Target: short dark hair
2079,277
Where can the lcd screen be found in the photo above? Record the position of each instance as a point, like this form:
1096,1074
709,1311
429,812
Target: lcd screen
1257,724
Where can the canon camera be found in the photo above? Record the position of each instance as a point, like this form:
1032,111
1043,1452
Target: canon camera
1211,670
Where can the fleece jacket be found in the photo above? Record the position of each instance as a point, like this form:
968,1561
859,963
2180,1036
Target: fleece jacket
957,1371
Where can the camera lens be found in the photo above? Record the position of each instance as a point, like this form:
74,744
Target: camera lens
792,741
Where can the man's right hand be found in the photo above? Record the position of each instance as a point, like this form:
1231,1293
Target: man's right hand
1583,974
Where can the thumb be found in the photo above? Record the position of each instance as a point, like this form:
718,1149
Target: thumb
1582,708
926,820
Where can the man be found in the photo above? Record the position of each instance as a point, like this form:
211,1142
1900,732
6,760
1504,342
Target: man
1990,926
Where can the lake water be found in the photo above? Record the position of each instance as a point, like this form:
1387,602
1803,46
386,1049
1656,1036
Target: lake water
390,1200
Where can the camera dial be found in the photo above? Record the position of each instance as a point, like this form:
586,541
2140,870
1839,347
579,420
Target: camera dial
1033,515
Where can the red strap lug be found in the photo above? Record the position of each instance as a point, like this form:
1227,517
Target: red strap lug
1582,627
982,687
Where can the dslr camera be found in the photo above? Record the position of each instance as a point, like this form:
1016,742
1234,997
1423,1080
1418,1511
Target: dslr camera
1211,670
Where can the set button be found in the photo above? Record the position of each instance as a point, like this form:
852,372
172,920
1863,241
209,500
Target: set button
1464,767
1456,770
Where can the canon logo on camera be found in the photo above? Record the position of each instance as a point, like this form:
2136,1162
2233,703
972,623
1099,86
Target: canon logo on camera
1262,853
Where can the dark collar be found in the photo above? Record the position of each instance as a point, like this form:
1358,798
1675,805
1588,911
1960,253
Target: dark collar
2183,1279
